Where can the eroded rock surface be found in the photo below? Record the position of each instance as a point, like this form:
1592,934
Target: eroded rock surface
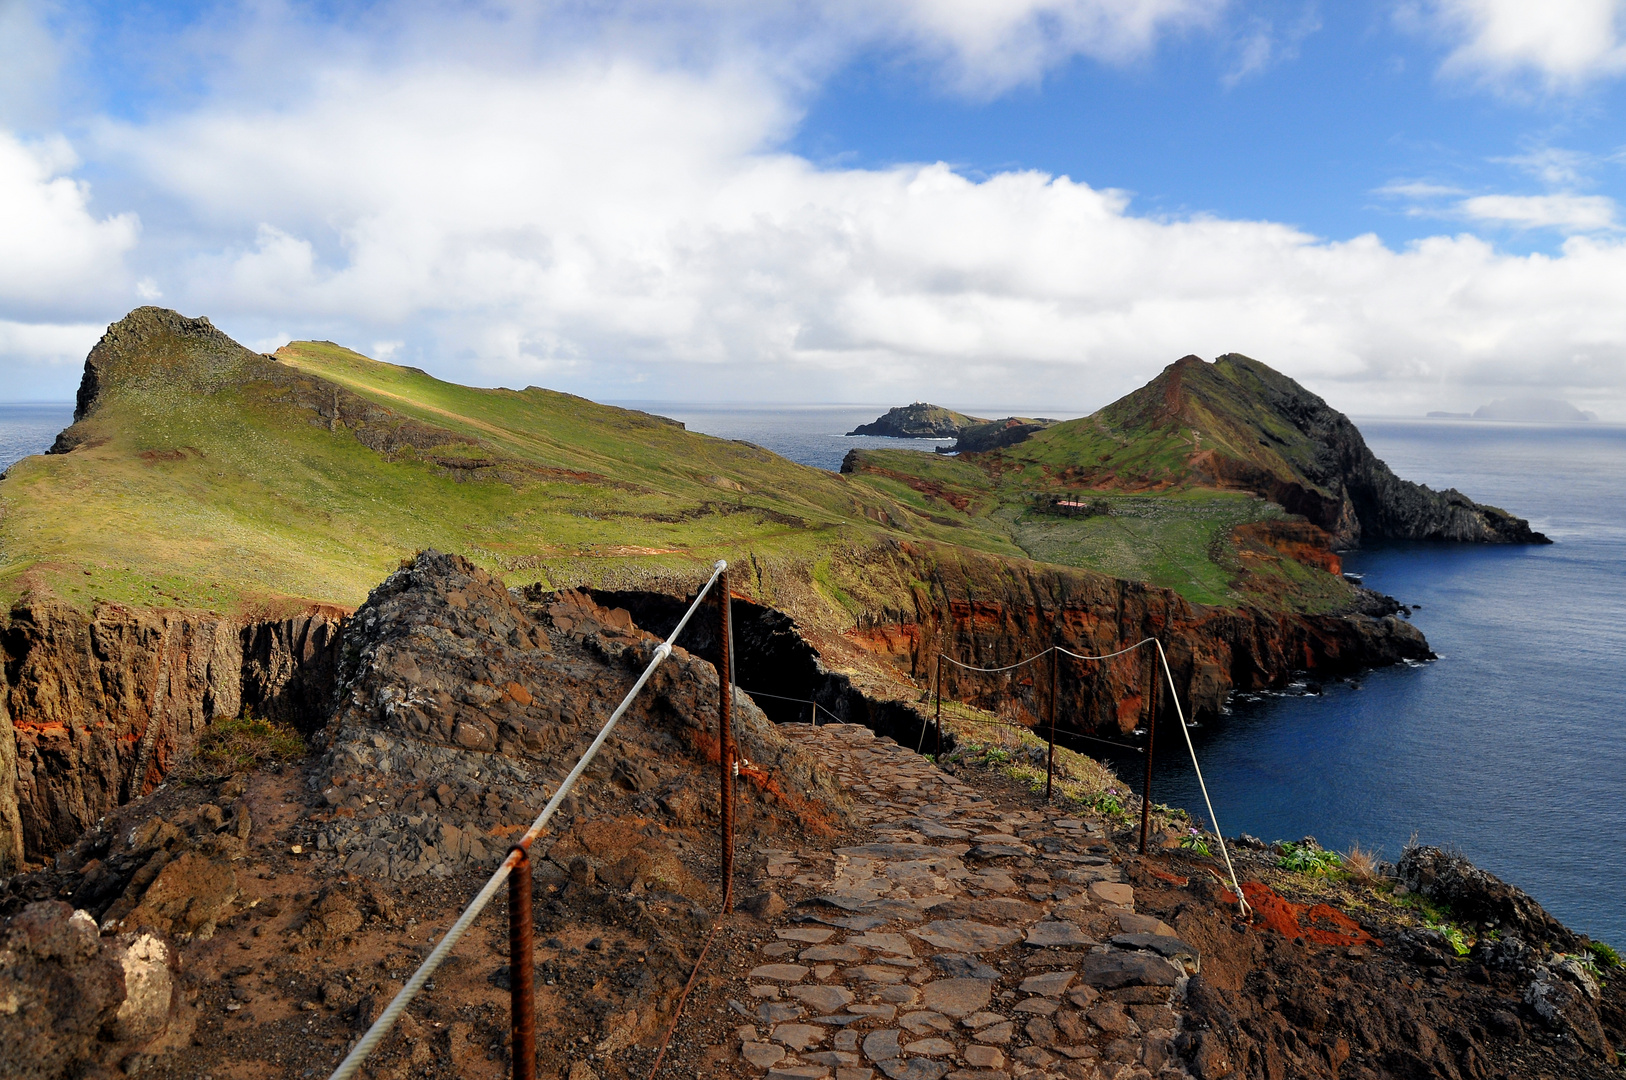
461,705
102,704
70,997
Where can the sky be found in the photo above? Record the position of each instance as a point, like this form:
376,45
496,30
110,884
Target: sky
1405,204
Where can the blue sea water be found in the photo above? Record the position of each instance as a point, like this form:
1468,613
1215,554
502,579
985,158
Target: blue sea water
1510,747
30,428
810,434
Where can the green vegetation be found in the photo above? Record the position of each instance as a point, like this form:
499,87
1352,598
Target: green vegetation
1306,858
1161,486
235,495
1195,842
1605,956
242,745
1453,934
210,477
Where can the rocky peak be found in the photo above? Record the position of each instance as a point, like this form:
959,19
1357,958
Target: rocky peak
1242,424
153,341
918,421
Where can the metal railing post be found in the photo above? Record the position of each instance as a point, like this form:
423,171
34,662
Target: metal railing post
1055,689
938,753
521,969
725,740
1151,741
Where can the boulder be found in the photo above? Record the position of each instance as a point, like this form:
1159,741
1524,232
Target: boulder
1474,895
59,987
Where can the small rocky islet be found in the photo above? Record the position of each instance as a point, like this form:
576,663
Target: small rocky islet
231,833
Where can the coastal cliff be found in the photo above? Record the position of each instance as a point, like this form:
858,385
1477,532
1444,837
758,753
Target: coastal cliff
102,704
1239,424
990,614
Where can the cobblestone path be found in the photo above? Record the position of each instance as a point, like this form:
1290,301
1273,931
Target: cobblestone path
968,941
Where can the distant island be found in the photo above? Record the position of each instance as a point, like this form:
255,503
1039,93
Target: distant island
918,421
923,421
1529,410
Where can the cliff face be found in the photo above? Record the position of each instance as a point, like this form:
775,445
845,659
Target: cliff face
101,705
991,616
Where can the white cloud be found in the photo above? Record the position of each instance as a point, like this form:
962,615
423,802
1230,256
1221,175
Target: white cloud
55,254
1265,43
604,226
1565,212
1418,189
1553,166
992,45
1563,42
42,361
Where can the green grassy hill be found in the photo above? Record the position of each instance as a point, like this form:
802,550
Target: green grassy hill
1227,482
200,474
205,475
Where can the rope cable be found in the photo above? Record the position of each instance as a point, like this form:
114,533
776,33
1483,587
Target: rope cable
392,1012
801,700
1181,713
1007,667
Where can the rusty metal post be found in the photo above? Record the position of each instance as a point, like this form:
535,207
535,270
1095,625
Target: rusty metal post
725,738
521,969
1151,743
1055,690
938,753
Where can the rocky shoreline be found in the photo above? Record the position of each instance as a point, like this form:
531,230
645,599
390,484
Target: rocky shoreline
963,928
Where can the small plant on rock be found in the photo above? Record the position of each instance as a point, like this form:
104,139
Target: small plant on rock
241,744
1604,956
1195,842
1452,934
1307,858
1107,803
1361,864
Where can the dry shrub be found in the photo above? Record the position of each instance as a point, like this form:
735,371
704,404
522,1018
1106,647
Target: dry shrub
242,744
1361,864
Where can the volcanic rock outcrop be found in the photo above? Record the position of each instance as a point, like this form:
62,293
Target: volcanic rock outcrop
458,704
918,421
102,704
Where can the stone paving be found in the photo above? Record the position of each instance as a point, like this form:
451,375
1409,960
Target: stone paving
968,941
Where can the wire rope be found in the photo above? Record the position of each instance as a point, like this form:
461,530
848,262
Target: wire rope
392,1012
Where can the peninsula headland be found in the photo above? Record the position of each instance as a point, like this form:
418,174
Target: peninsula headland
225,539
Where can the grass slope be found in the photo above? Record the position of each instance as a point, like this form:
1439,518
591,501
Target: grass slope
207,476
220,480
1150,462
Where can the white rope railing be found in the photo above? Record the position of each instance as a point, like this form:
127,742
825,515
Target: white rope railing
1179,711
1007,667
392,1012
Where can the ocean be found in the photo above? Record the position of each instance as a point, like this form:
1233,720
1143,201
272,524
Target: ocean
30,428
1509,747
